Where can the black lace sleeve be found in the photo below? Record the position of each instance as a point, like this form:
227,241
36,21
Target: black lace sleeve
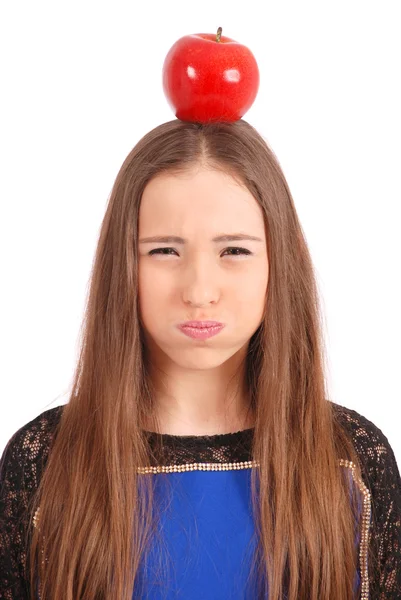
21,465
12,505
381,475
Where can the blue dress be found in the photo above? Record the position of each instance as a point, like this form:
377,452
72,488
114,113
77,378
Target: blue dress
206,538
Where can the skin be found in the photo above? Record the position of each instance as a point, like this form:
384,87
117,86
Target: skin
200,383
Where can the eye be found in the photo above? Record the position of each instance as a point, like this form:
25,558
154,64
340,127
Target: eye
159,251
238,251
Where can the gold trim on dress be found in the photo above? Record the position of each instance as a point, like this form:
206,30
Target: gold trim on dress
199,467
364,543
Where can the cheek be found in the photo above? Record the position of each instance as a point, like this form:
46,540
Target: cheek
149,291
249,299
249,304
154,294
154,281
251,286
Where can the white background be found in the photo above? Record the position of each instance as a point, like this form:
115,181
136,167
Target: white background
81,84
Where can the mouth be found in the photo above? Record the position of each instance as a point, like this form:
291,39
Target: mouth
201,324
203,332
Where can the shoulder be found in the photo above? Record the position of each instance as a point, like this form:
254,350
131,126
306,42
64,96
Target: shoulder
27,449
371,443
368,438
357,423
376,455
35,435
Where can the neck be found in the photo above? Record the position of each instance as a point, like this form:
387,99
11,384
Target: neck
199,401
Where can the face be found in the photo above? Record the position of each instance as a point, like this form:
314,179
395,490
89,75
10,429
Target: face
200,279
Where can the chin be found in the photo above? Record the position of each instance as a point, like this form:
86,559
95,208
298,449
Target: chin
200,358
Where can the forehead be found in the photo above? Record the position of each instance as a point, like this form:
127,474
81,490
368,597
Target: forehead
199,195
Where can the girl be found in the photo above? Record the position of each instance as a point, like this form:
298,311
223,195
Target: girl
197,460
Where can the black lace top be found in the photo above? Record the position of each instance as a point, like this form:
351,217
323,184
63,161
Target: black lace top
26,453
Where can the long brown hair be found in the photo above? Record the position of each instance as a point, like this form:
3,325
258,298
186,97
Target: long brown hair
95,507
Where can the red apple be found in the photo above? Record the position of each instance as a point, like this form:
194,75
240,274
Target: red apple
208,77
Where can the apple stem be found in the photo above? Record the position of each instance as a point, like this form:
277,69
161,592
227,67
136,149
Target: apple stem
218,36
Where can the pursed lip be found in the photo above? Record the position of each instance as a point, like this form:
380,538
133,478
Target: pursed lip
200,324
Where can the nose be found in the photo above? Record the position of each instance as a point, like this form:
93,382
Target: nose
200,282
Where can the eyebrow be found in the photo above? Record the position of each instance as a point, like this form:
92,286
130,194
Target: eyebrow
173,239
